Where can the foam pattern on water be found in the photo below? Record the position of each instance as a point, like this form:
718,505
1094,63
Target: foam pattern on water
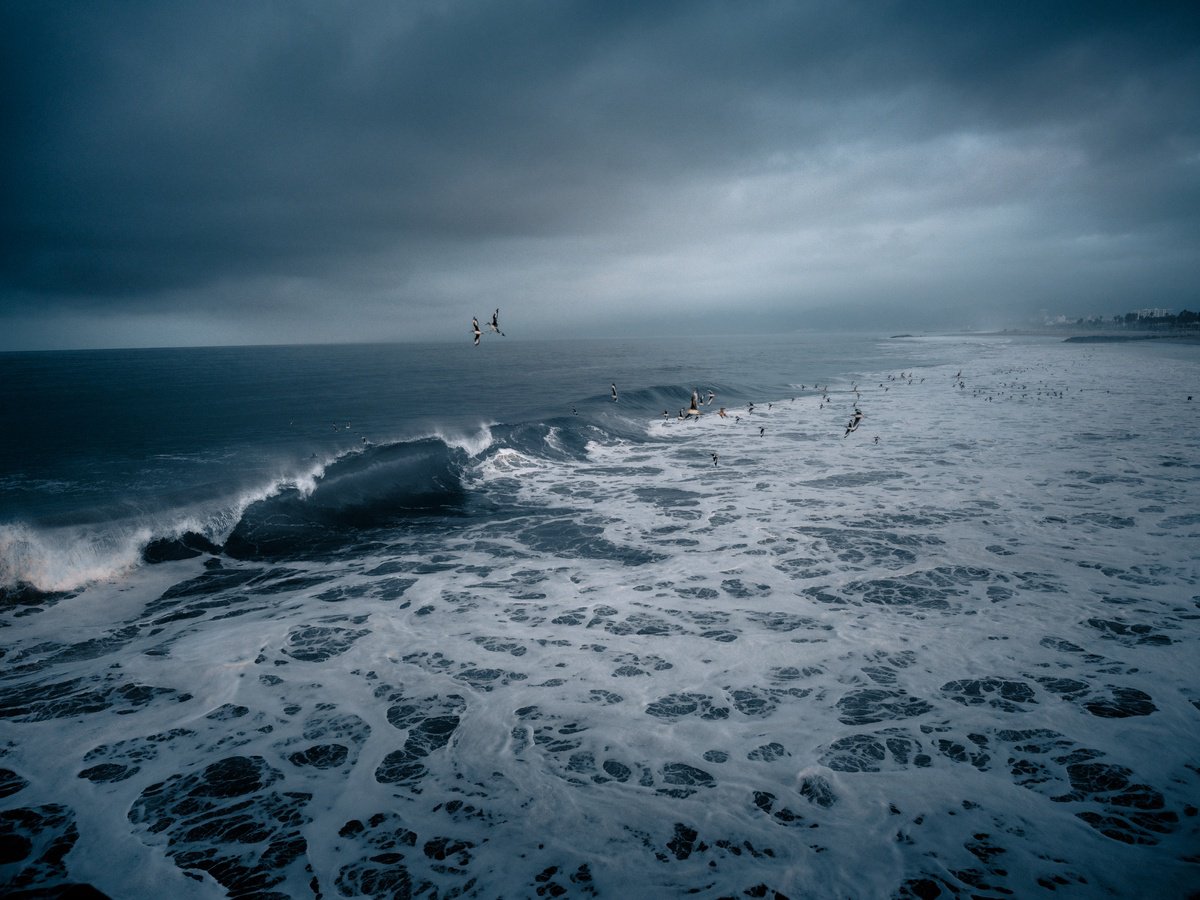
961,659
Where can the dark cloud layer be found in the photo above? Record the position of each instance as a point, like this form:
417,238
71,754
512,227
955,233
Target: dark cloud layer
179,173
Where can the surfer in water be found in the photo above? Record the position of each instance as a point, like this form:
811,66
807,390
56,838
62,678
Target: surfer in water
694,410
855,419
495,324
475,329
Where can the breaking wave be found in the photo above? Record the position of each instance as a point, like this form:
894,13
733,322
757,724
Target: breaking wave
370,487
376,488
329,504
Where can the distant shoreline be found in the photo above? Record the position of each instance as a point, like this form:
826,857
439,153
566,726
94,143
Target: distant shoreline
1117,338
1071,337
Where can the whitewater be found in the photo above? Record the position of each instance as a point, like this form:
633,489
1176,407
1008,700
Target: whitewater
489,644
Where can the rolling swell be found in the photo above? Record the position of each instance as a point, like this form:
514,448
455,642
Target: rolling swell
330,507
381,486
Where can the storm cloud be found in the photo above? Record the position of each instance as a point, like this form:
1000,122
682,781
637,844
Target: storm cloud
261,172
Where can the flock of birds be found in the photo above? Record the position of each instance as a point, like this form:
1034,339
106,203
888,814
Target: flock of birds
693,412
1015,390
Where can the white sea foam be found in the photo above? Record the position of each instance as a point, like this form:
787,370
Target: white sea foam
506,461
69,557
554,440
64,559
472,443
962,658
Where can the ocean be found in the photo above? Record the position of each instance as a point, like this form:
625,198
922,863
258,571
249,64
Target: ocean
386,621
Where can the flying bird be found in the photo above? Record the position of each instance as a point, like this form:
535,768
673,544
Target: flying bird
475,329
854,421
495,325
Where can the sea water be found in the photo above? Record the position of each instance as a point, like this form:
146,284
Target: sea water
442,620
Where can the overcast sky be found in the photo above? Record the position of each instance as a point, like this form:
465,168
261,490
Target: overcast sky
264,172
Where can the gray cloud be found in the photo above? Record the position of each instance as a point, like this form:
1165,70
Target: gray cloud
325,171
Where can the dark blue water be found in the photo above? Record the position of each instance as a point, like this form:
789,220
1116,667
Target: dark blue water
119,447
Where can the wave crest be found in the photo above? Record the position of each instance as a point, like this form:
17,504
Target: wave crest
376,487
312,510
50,561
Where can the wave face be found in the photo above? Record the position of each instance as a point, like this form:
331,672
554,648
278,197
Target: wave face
540,643
375,488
